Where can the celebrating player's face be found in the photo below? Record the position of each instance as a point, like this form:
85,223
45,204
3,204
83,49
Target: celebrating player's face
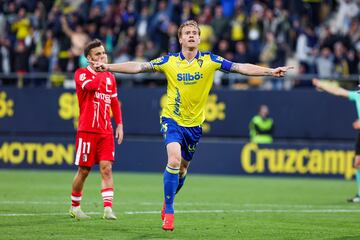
190,37
98,54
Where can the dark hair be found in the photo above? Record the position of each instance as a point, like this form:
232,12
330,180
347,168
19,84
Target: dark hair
93,44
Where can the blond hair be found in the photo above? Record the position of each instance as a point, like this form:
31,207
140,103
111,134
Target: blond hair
188,23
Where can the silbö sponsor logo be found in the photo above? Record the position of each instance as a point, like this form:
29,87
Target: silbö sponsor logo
189,78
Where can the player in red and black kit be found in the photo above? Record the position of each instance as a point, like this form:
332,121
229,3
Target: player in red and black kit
97,94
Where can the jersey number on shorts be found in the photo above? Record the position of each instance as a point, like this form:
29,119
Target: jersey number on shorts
86,147
85,150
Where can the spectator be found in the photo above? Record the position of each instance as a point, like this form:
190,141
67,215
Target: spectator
268,53
84,9
143,23
95,15
151,50
38,18
255,32
327,38
160,22
139,57
21,25
325,63
340,61
207,35
347,10
106,36
241,55
186,11
238,26
41,64
305,49
261,127
5,59
22,53
219,23
173,44
207,14
223,49
56,77
269,57
78,38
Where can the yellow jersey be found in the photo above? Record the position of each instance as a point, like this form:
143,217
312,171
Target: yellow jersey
189,84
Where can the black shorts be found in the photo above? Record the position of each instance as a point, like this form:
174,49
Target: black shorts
357,146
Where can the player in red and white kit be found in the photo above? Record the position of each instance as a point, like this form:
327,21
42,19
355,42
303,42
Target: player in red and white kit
97,94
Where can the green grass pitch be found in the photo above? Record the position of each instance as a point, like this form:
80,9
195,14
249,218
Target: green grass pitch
35,204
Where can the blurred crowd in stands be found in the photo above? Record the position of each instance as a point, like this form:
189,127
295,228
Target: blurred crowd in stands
320,37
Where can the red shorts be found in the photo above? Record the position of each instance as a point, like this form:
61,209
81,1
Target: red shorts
93,147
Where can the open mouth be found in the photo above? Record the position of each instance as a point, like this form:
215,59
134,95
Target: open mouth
191,40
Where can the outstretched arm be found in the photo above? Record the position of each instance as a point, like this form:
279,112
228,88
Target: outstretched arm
334,90
65,27
126,67
255,70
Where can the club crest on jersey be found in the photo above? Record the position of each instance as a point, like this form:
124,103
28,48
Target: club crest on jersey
82,77
200,62
85,158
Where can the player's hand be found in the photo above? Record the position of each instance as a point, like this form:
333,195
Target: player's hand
316,83
280,71
119,133
356,124
99,66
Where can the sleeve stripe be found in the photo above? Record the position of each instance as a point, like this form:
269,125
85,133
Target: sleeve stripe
226,65
114,95
86,82
159,61
78,152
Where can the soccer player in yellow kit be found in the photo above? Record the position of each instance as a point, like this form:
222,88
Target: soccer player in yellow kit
190,75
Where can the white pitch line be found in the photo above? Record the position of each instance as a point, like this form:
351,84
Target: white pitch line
33,202
191,204
269,205
39,214
194,204
255,211
197,211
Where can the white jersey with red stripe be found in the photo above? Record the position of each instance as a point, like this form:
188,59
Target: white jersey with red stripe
95,91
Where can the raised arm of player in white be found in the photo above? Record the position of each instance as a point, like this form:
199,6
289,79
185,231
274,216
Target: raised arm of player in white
255,70
334,90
